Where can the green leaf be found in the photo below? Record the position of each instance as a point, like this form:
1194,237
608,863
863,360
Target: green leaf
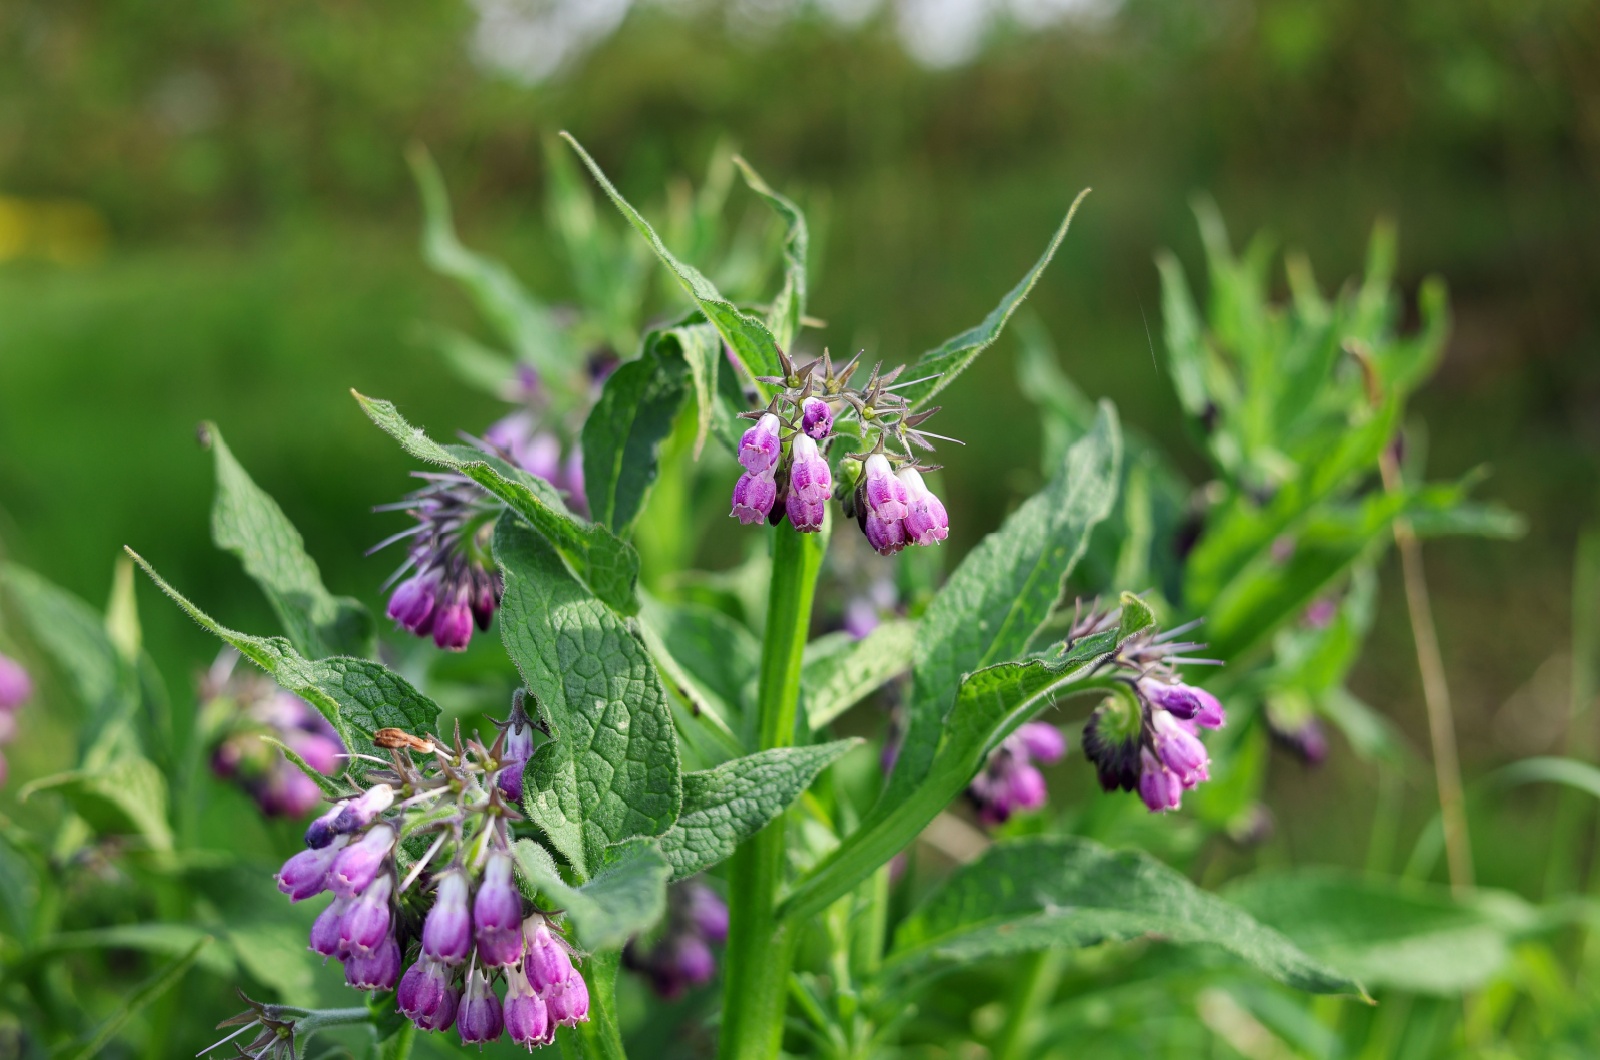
833,682
1066,891
626,896
601,560
1417,939
163,980
357,696
784,317
990,706
249,523
610,770
950,359
624,432
75,638
1005,589
164,938
752,342
723,807
329,788
701,349
119,792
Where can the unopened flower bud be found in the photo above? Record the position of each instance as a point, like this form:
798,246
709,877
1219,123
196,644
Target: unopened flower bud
1160,789
925,520
807,516
569,1003
447,931
453,622
479,1019
692,960
816,418
378,970
15,684
306,873
547,963
1177,699
753,496
527,1020
497,915
321,832
885,495
1179,750
1210,715
359,864
366,923
427,995
516,751
809,474
412,604
761,445
325,929
885,536
361,811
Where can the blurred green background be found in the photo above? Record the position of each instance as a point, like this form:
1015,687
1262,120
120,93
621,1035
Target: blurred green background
205,213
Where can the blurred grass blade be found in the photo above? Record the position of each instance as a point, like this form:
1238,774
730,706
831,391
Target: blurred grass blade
151,989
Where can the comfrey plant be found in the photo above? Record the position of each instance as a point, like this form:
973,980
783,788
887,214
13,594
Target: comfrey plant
684,767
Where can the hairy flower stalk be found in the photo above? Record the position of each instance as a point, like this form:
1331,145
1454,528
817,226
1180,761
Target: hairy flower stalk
237,710
1144,737
679,958
787,474
420,867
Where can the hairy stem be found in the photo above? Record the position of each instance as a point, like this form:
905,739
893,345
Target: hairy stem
759,947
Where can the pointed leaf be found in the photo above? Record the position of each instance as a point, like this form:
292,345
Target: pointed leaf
626,896
610,770
790,304
601,560
624,431
1059,891
723,807
950,359
832,683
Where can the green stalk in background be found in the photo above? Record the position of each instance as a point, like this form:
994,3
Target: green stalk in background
759,948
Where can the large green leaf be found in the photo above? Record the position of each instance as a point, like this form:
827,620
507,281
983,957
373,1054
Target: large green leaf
75,637
120,792
752,342
249,523
1067,891
934,370
1004,589
625,429
610,770
626,896
835,680
723,807
601,560
358,696
783,319
1413,938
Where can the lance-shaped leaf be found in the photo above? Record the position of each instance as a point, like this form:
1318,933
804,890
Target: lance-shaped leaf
723,807
625,429
1004,590
783,318
358,696
934,370
1060,891
991,705
246,521
626,895
601,560
837,678
752,342
610,769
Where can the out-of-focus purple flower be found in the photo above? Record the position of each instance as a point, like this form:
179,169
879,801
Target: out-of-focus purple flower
547,963
447,930
568,1003
527,1021
320,752
1302,736
479,1019
497,914
753,496
761,445
577,500
359,864
708,912
680,956
1320,612
378,970
1042,741
926,522
306,873
1179,750
286,792
16,687
1010,783
816,418
427,995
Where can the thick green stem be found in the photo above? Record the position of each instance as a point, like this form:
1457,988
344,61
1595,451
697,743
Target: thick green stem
600,1038
1032,992
759,948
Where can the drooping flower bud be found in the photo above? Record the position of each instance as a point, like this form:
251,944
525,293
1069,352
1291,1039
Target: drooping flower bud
366,923
412,603
926,521
1160,789
547,963
807,516
453,620
1111,740
479,1019
569,1003
306,873
885,536
527,1020
447,931
816,418
809,474
516,751
325,929
378,970
753,496
885,495
361,811
1179,750
359,864
1026,788
15,684
1177,699
761,445
452,584
497,914
1042,741
427,995
1210,715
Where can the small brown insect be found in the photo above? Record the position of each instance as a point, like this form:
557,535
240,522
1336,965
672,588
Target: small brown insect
394,739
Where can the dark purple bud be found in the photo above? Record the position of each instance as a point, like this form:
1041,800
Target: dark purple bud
709,913
452,623
479,1019
427,995
547,964
319,752
885,537
807,516
816,418
378,970
497,915
447,930
412,604
809,475
527,1020
753,496
1160,789
1176,699
761,444
359,864
691,960
325,930
926,520
569,1002
366,923
1042,741
1179,750
361,811
1111,740
484,598
321,832
15,685
306,873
